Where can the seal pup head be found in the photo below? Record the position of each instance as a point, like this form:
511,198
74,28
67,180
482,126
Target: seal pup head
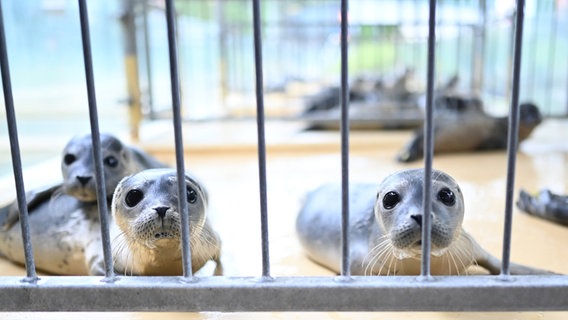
146,213
399,212
145,207
78,166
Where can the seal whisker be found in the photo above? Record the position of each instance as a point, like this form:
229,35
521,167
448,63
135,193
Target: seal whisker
382,242
382,250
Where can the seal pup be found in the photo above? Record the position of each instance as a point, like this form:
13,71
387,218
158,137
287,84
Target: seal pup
64,217
146,229
386,228
463,127
546,205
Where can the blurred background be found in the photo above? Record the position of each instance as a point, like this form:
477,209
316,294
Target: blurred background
301,59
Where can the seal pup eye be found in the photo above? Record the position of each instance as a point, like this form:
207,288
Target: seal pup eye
447,197
133,197
391,199
69,158
111,161
191,195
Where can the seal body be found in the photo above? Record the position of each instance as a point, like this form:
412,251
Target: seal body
147,225
546,205
64,217
385,228
461,125
65,237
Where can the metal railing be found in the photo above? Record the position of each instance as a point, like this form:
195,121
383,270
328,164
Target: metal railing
265,292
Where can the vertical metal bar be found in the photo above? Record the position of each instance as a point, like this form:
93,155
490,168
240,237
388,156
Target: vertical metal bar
148,60
551,56
31,275
346,259
128,21
176,109
261,141
535,25
95,135
513,137
478,59
428,143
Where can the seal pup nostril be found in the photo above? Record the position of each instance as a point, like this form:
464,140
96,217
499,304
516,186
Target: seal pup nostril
161,211
83,179
417,218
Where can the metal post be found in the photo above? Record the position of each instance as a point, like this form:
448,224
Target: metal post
513,135
428,143
176,105
346,261
131,67
96,139
148,61
15,151
479,38
261,140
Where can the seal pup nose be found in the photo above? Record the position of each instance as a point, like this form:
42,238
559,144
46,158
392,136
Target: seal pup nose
83,179
417,218
161,211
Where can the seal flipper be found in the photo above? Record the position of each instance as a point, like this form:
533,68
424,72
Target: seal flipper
414,149
493,265
546,205
10,214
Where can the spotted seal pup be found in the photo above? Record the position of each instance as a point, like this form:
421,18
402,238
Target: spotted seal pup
385,228
64,217
546,205
146,229
465,127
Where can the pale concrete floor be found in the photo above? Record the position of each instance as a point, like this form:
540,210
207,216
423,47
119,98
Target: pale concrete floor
231,175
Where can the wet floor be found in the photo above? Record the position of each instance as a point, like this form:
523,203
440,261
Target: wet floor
232,180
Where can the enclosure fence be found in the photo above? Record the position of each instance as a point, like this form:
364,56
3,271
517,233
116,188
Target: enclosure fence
265,292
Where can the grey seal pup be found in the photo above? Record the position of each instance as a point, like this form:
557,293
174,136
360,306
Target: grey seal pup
146,229
64,217
386,228
546,205
462,126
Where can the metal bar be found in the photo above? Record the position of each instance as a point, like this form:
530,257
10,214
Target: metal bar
261,141
551,56
428,143
346,260
96,139
535,25
31,275
513,136
148,60
128,23
397,293
176,109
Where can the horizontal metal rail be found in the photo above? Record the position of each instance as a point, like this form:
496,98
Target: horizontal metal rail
473,293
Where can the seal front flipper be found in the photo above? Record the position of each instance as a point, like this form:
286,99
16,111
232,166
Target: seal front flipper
10,214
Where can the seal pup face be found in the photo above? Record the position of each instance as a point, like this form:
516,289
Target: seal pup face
399,212
78,167
145,209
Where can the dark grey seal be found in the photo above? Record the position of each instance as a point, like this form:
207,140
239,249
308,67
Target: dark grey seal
461,125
